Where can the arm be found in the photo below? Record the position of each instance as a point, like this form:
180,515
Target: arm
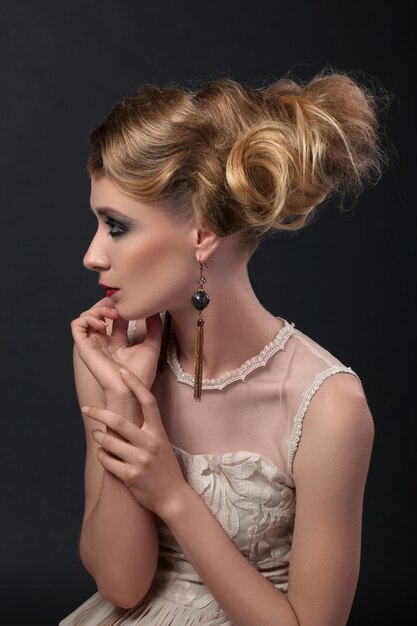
330,474
115,526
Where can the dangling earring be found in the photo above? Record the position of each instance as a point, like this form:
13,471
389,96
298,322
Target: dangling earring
164,341
199,301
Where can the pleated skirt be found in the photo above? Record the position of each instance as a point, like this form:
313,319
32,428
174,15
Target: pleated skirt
152,610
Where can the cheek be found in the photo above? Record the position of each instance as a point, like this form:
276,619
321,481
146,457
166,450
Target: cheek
164,264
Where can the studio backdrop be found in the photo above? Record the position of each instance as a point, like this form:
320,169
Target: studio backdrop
347,280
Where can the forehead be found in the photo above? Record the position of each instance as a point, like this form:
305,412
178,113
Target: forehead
105,194
106,197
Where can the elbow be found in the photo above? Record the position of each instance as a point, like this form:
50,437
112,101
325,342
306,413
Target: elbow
122,598
83,556
116,591
121,588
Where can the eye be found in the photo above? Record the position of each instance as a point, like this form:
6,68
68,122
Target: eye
116,229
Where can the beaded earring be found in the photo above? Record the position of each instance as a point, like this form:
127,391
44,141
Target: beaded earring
199,300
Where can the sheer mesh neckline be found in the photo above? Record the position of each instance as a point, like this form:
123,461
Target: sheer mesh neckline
240,373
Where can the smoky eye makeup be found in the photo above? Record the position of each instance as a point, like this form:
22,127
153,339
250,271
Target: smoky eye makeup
116,228
118,223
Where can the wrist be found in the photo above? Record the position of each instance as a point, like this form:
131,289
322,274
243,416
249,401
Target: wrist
121,396
126,404
178,505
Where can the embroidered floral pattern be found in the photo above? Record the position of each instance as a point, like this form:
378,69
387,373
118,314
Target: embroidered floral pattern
224,484
253,500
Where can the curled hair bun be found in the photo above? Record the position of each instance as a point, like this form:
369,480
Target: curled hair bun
317,139
244,160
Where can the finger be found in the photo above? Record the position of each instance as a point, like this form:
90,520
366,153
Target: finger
119,330
112,465
101,311
82,325
116,422
145,398
122,449
87,324
107,300
84,321
153,332
94,322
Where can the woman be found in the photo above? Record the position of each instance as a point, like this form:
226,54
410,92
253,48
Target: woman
226,462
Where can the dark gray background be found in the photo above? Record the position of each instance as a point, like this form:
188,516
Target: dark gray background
346,280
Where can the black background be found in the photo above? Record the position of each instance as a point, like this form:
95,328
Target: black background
346,280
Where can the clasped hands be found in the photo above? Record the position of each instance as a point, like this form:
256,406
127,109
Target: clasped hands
139,456
143,460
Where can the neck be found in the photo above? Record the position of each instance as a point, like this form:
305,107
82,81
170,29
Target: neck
236,325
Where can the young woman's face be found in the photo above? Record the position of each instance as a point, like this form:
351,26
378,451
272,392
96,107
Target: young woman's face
137,249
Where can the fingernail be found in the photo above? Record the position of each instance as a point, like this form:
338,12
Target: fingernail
124,372
85,409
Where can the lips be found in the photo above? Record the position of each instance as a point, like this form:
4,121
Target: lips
109,290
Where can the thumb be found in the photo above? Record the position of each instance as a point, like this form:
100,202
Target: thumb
145,398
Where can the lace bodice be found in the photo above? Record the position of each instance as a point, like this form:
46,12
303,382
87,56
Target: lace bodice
255,504
246,480
236,449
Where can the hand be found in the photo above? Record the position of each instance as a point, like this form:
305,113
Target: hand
103,353
143,459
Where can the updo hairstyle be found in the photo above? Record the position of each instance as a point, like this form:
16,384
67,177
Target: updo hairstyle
245,160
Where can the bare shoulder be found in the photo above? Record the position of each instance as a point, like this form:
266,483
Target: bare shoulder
341,408
338,421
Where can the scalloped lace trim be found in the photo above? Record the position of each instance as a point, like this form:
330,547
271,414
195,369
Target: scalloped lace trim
240,373
298,419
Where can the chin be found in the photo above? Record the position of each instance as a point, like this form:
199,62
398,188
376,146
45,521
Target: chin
137,314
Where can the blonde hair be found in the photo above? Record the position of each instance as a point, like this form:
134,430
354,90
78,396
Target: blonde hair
245,160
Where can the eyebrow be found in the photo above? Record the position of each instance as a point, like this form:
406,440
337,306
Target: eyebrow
109,211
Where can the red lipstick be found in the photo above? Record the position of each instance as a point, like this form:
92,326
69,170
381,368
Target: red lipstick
109,290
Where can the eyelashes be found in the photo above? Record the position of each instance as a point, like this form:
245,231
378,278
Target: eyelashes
116,229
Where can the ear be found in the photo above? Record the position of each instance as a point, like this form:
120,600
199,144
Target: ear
206,243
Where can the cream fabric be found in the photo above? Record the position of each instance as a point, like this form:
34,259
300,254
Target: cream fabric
236,449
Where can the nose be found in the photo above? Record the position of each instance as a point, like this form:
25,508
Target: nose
95,258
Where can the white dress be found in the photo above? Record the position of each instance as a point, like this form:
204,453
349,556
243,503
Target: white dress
236,449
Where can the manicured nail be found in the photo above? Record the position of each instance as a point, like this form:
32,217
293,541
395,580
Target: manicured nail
85,409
